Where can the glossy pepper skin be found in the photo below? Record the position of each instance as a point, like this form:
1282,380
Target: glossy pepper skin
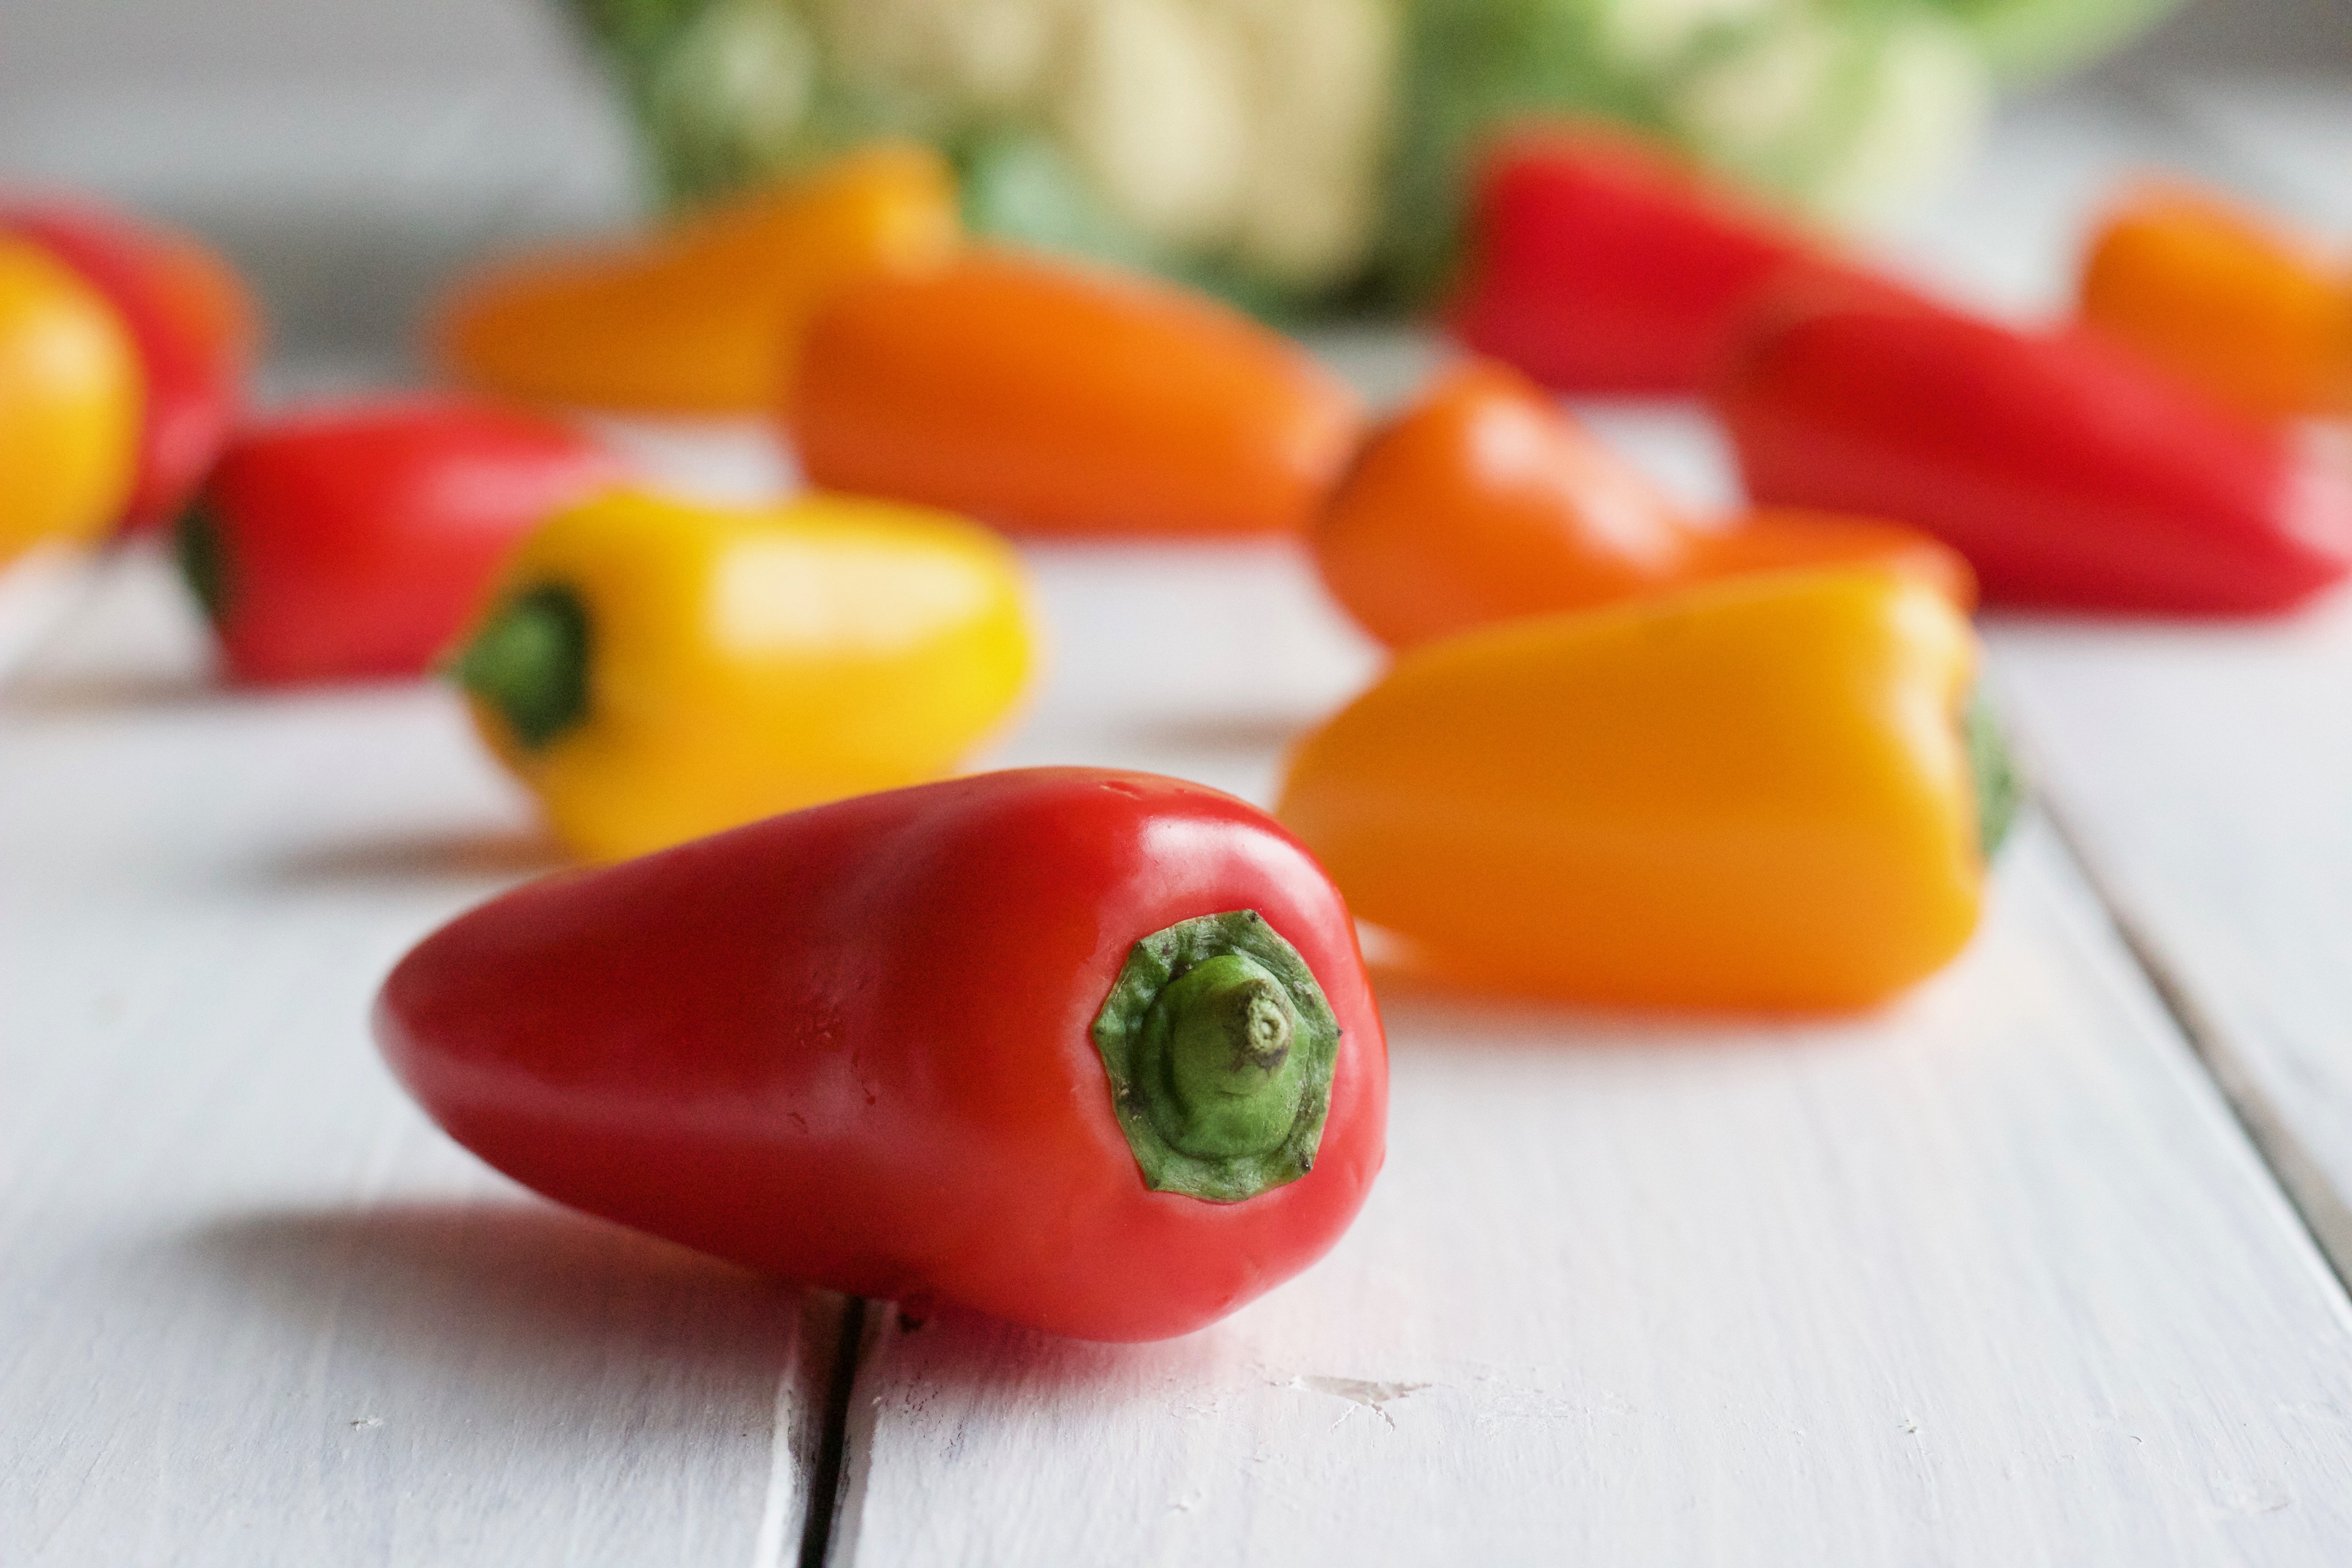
703,318
355,541
2069,473
1484,500
856,1047
655,669
1048,397
196,328
1753,793
70,403
1597,262
2223,299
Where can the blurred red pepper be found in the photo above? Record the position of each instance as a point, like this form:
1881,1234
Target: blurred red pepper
196,328
359,541
1089,1051
2070,474
1600,262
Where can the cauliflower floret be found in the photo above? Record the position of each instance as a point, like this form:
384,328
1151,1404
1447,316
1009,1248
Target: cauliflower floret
986,55
1319,79
1251,128
1917,117
1756,104
1240,133
734,90
1149,104
1647,34
1845,119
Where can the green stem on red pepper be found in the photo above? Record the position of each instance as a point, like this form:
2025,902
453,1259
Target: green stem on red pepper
1219,1045
196,544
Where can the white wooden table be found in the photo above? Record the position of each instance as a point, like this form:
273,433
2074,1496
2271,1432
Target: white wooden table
2032,1267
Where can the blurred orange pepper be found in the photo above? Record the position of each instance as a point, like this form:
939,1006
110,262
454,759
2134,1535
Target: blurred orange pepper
1758,792
703,318
71,394
1046,397
2223,299
1484,500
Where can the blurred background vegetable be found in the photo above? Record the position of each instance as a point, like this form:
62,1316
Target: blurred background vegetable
1313,151
196,329
1051,398
2070,473
706,316
1596,261
2256,314
354,540
655,671
70,396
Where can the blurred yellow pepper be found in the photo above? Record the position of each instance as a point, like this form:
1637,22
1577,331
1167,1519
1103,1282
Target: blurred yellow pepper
1759,792
2223,299
71,394
703,318
656,671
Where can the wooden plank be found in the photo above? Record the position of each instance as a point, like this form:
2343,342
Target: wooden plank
1990,1279
253,1308
2204,773
2204,770
39,592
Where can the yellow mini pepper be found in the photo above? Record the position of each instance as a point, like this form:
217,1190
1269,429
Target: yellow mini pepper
1759,792
71,394
656,671
706,317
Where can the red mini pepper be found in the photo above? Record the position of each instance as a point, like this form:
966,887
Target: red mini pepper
196,328
2069,473
359,541
1088,1051
1599,262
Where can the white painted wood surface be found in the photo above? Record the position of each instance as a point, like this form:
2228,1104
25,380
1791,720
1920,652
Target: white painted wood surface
39,592
2206,772
2209,780
253,1307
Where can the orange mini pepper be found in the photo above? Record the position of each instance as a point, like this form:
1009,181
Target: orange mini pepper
1758,792
1484,500
703,318
2223,299
1050,397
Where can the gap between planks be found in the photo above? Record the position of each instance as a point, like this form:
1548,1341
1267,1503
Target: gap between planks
828,1475
2302,1180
